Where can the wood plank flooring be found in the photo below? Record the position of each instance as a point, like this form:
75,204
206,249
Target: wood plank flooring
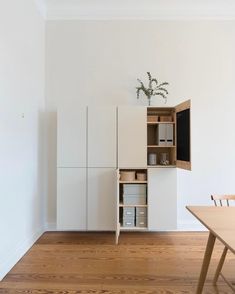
72,263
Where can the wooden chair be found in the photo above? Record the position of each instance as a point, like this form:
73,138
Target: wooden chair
222,200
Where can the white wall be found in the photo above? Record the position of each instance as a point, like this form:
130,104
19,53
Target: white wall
22,106
97,62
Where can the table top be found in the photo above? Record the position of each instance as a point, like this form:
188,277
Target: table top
218,220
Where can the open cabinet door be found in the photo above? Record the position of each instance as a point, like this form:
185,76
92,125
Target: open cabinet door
183,141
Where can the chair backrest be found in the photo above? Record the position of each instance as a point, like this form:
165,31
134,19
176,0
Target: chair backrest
220,200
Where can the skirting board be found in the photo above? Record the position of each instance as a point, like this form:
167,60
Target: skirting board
182,226
50,227
185,225
14,255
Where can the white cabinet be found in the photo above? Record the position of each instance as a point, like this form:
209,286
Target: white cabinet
71,137
132,136
162,199
102,136
101,199
71,199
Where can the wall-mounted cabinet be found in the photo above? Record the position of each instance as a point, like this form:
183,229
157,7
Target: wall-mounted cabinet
94,141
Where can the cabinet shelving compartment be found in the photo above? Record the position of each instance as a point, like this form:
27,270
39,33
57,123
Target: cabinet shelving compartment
161,135
132,199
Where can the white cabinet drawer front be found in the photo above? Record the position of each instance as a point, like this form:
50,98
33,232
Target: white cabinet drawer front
102,136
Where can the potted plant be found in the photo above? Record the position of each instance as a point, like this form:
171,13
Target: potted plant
154,88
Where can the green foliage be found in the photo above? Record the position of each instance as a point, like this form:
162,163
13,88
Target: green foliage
153,89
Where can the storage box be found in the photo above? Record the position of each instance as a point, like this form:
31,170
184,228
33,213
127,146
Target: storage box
135,189
128,212
141,221
165,118
141,176
141,211
128,222
127,175
132,199
152,118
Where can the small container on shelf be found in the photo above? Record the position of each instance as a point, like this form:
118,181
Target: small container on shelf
141,176
127,175
128,211
135,189
165,118
152,159
164,158
152,118
128,222
141,211
141,221
132,199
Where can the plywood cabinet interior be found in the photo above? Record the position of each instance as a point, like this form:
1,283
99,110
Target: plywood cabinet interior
71,137
132,136
71,199
101,199
102,136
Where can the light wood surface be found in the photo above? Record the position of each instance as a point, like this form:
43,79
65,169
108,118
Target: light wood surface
142,263
220,221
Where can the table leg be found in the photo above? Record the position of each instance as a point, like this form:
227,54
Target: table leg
206,262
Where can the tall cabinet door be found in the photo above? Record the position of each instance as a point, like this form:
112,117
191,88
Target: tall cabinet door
183,137
132,136
71,199
102,136
162,199
71,137
101,199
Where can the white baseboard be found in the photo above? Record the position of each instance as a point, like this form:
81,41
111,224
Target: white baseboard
50,227
185,225
16,253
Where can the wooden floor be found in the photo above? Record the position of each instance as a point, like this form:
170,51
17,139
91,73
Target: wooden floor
69,263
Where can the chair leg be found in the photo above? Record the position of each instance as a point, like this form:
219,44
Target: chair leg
220,265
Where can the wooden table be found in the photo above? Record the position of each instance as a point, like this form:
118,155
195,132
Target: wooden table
220,221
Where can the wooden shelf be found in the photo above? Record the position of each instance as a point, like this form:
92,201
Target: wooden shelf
132,205
162,166
157,146
133,228
133,182
160,122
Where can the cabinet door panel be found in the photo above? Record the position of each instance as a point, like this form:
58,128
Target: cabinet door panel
162,200
102,137
71,137
132,136
101,199
71,199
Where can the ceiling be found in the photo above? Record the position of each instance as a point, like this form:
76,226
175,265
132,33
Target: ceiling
137,9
